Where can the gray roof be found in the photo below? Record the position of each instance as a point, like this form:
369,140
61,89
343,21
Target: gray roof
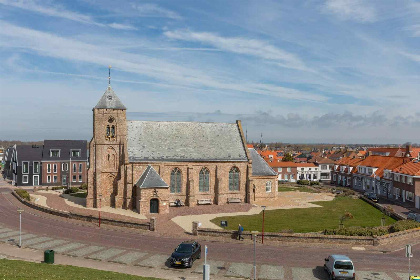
65,146
259,166
110,101
151,179
184,141
28,153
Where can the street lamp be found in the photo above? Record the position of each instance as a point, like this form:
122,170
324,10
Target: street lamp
262,235
100,198
20,227
254,234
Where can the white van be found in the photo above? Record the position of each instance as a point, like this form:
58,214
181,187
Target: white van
339,267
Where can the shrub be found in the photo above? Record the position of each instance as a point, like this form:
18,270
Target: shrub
23,194
66,191
57,188
371,231
74,189
314,183
303,182
404,225
84,186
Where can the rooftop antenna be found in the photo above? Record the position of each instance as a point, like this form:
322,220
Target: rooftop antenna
109,75
246,135
261,138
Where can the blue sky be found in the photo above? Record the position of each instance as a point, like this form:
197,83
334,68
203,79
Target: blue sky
330,71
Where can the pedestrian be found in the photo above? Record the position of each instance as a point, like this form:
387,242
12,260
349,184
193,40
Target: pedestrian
240,230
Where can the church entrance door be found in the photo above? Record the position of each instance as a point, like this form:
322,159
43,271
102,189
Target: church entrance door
154,205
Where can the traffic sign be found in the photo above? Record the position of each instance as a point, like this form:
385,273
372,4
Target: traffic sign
408,251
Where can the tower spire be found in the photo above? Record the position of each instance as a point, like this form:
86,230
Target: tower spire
109,75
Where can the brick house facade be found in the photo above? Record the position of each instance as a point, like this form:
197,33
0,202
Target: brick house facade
198,163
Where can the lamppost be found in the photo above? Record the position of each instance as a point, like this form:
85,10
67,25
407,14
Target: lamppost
20,227
262,235
100,199
254,234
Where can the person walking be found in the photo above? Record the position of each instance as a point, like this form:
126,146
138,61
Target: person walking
240,230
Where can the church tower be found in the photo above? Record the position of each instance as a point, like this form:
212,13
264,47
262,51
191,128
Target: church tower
108,150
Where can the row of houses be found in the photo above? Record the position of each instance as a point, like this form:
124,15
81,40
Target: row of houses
56,163
318,169
393,177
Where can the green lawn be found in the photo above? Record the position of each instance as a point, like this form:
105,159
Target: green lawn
83,195
311,219
11,269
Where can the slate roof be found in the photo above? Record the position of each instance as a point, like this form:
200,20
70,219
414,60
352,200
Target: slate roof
151,179
184,141
65,146
28,153
110,101
259,166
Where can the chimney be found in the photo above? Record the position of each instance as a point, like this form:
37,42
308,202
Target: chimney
407,150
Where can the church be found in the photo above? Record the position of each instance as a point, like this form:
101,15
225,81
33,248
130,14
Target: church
148,166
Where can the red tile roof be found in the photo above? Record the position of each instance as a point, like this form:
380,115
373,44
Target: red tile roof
382,162
291,164
409,168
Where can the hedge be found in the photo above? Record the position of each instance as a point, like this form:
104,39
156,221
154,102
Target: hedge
23,194
303,182
371,231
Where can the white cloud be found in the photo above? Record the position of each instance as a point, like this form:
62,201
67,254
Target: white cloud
34,6
356,10
253,47
152,10
415,30
50,45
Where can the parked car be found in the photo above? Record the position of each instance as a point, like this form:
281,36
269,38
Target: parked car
413,216
373,197
185,254
339,267
414,278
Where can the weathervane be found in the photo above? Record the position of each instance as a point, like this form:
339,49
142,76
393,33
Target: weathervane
109,75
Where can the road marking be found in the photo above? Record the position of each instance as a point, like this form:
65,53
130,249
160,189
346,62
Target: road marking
24,237
404,276
36,240
239,270
48,245
68,247
85,251
154,261
359,248
107,254
4,229
10,233
270,272
215,267
129,257
309,273
369,275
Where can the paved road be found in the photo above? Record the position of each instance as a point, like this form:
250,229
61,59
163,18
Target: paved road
233,259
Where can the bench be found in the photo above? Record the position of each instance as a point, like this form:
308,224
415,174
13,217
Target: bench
174,204
234,200
204,201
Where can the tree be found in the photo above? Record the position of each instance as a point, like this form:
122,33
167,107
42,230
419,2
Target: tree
287,157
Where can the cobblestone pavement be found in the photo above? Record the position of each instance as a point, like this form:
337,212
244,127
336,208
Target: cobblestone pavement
158,262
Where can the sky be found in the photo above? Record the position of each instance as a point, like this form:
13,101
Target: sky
315,71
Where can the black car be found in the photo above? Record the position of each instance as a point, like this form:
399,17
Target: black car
185,254
373,197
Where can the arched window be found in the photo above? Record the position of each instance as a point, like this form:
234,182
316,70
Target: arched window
204,180
108,131
268,186
234,179
113,131
176,180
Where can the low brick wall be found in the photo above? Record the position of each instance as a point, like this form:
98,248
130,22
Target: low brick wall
144,226
313,237
294,237
397,236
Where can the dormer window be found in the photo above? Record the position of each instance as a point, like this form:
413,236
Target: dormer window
54,153
75,153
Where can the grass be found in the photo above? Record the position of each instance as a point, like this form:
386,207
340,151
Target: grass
12,269
80,194
311,219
